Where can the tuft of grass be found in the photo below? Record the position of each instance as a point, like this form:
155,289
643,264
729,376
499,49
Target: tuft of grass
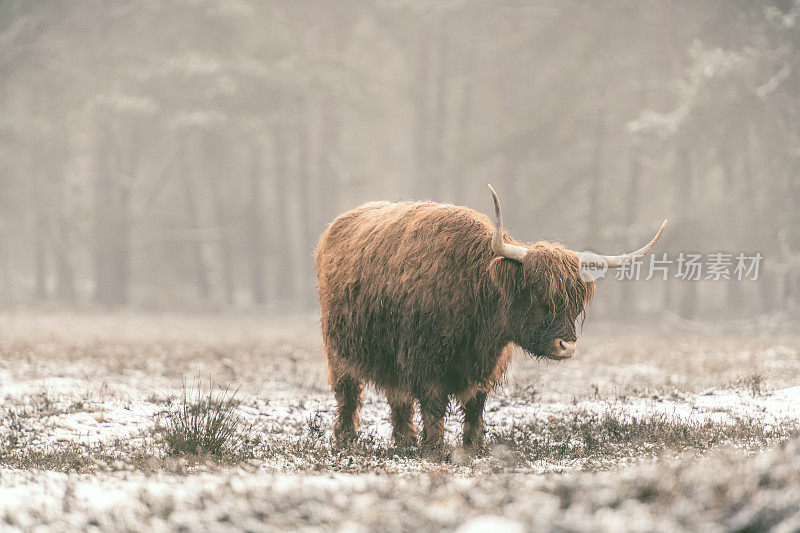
206,423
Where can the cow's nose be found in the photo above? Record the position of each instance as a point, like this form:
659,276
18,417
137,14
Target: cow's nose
565,348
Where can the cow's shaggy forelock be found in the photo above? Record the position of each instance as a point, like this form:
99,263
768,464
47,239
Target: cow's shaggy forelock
550,276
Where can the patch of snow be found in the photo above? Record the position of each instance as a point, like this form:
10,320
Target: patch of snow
493,523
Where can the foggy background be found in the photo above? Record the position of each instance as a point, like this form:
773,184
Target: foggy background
186,155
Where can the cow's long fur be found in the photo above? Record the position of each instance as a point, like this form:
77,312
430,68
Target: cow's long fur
414,301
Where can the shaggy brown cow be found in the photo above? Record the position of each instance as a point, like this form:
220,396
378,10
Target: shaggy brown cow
425,300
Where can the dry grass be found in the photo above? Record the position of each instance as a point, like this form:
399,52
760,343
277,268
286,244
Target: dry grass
287,352
80,458
578,439
643,365
613,437
205,430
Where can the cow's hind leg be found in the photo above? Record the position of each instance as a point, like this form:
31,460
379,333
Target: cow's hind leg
403,431
473,421
433,406
349,395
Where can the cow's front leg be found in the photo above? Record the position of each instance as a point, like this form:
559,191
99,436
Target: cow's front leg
348,391
403,431
473,421
432,407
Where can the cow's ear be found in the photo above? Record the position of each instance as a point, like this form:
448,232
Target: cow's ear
506,274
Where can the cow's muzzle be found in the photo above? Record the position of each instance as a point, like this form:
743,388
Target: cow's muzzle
561,349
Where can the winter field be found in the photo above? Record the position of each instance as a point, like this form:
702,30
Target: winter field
640,432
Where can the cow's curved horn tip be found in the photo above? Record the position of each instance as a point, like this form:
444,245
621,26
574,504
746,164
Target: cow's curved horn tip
490,187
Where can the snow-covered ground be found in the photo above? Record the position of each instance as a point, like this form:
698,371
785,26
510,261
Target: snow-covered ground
74,415
99,382
724,492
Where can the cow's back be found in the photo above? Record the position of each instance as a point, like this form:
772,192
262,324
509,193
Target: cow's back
403,281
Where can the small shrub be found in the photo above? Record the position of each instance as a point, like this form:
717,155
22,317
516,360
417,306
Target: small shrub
15,432
206,423
314,426
755,384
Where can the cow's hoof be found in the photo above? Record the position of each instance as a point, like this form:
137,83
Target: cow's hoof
474,449
436,452
345,439
405,441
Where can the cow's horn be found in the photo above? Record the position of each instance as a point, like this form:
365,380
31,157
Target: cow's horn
616,261
499,246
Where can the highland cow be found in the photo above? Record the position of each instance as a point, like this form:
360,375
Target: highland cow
425,301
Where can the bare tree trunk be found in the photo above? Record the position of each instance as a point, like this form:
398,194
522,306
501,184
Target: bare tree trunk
628,304
439,112
767,283
596,177
112,226
65,276
464,124
59,235
687,303
196,243
329,154
5,267
214,178
422,125
510,182
734,291
282,249
40,224
255,224
760,298
307,205
681,296
112,233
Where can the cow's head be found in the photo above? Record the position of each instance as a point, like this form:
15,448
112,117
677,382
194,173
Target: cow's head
544,290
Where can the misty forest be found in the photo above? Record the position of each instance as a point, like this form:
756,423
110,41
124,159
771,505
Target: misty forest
188,154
